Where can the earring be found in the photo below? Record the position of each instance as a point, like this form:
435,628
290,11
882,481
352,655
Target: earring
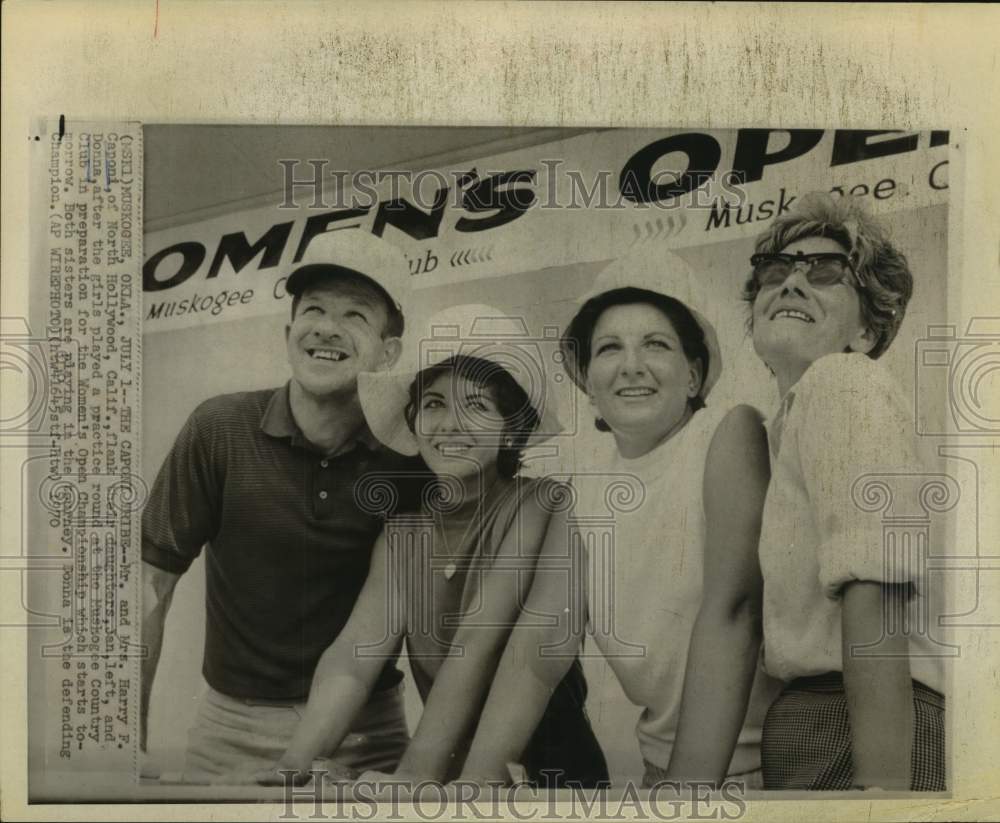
508,441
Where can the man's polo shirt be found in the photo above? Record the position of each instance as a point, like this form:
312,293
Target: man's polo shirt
288,545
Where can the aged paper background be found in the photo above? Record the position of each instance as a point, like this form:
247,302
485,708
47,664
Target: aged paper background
908,67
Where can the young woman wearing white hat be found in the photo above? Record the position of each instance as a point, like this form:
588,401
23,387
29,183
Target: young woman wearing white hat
682,491
449,578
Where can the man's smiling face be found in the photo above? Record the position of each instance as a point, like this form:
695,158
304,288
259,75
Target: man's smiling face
336,333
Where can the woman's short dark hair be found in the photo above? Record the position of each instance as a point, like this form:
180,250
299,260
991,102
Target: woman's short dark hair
881,267
521,418
576,341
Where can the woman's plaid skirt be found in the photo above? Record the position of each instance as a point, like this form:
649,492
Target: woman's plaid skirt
806,740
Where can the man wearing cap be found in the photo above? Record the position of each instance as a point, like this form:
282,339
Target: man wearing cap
265,481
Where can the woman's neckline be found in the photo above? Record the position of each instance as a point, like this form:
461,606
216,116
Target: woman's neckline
468,509
469,513
673,437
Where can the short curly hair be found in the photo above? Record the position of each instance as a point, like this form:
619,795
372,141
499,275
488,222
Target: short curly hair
886,280
521,418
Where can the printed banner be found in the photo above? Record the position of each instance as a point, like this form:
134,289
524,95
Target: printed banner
583,199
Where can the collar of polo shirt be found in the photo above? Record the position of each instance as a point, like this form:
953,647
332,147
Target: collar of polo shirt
277,421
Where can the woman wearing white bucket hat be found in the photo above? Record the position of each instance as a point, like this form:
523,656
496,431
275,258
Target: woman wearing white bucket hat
450,578
686,481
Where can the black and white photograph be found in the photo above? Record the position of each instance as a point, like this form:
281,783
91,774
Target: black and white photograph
440,468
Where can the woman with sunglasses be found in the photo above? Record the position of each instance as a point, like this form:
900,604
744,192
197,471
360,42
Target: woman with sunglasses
449,578
680,481
862,706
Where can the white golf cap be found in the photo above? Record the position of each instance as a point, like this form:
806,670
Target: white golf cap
353,253
662,272
470,330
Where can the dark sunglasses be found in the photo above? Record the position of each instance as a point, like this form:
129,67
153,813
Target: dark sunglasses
822,268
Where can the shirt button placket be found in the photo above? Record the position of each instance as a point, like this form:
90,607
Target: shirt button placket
322,506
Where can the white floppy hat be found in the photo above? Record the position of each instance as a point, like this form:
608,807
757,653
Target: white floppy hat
657,271
471,330
353,252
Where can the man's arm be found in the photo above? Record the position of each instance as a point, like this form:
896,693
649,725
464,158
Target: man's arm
725,643
157,592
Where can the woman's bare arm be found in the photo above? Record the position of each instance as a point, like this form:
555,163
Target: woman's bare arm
346,672
537,657
726,638
463,681
878,688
